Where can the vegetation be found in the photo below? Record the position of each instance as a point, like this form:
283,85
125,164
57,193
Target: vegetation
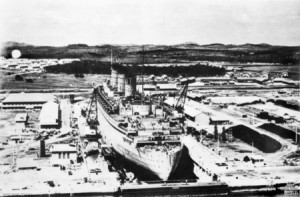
216,134
266,115
163,53
79,75
224,137
85,66
19,78
246,159
97,67
286,104
29,80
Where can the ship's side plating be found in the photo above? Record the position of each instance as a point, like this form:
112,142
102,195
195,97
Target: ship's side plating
162,163
159,154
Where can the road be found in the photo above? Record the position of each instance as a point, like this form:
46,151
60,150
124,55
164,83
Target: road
66,111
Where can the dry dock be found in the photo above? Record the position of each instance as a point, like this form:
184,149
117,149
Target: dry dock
239,178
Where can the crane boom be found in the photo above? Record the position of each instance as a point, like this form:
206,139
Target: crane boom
183,92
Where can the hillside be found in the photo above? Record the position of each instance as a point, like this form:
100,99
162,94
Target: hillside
162,53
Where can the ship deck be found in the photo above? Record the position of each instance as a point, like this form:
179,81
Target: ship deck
142,123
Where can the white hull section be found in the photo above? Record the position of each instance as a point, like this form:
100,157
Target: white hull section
161,163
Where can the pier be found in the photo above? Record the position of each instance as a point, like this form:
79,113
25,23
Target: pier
208,161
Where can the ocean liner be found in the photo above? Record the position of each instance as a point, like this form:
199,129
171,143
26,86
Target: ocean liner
136,127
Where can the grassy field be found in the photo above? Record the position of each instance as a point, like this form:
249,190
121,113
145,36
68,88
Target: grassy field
49,81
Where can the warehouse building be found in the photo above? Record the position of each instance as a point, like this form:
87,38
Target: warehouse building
50,116
196,116
26,101
215,120
61,154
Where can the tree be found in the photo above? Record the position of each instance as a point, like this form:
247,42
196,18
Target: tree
224,134
19,78
29,80
246,159
216,134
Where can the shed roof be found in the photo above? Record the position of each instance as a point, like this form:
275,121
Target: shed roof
219,118
28,97
167,86
191,111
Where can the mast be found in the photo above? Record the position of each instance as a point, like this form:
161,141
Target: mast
111,56
296,140
143,74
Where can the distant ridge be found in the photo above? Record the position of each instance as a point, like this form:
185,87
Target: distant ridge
14,44
183,52
22,44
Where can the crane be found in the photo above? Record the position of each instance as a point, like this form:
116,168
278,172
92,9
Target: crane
183,92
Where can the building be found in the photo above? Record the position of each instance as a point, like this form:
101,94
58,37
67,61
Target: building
62,154
209,79
284,81
218,121
196,116
256,158
50,116
27,101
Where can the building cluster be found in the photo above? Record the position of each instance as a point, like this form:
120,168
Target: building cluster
258,75
248,74
50,112
31,65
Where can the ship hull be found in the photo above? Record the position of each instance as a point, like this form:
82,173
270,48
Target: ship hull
161,164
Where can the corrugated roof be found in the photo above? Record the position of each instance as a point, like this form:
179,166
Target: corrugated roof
29,97
49,114
167,86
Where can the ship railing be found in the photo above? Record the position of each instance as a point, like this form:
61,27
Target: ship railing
153,129
172,142
153,138
143,128
171,182
104,101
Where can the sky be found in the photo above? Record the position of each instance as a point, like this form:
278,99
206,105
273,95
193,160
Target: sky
94,22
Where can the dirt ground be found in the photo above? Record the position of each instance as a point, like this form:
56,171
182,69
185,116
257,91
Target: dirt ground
49,81
7,122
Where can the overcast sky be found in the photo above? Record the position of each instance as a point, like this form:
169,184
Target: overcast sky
62,22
